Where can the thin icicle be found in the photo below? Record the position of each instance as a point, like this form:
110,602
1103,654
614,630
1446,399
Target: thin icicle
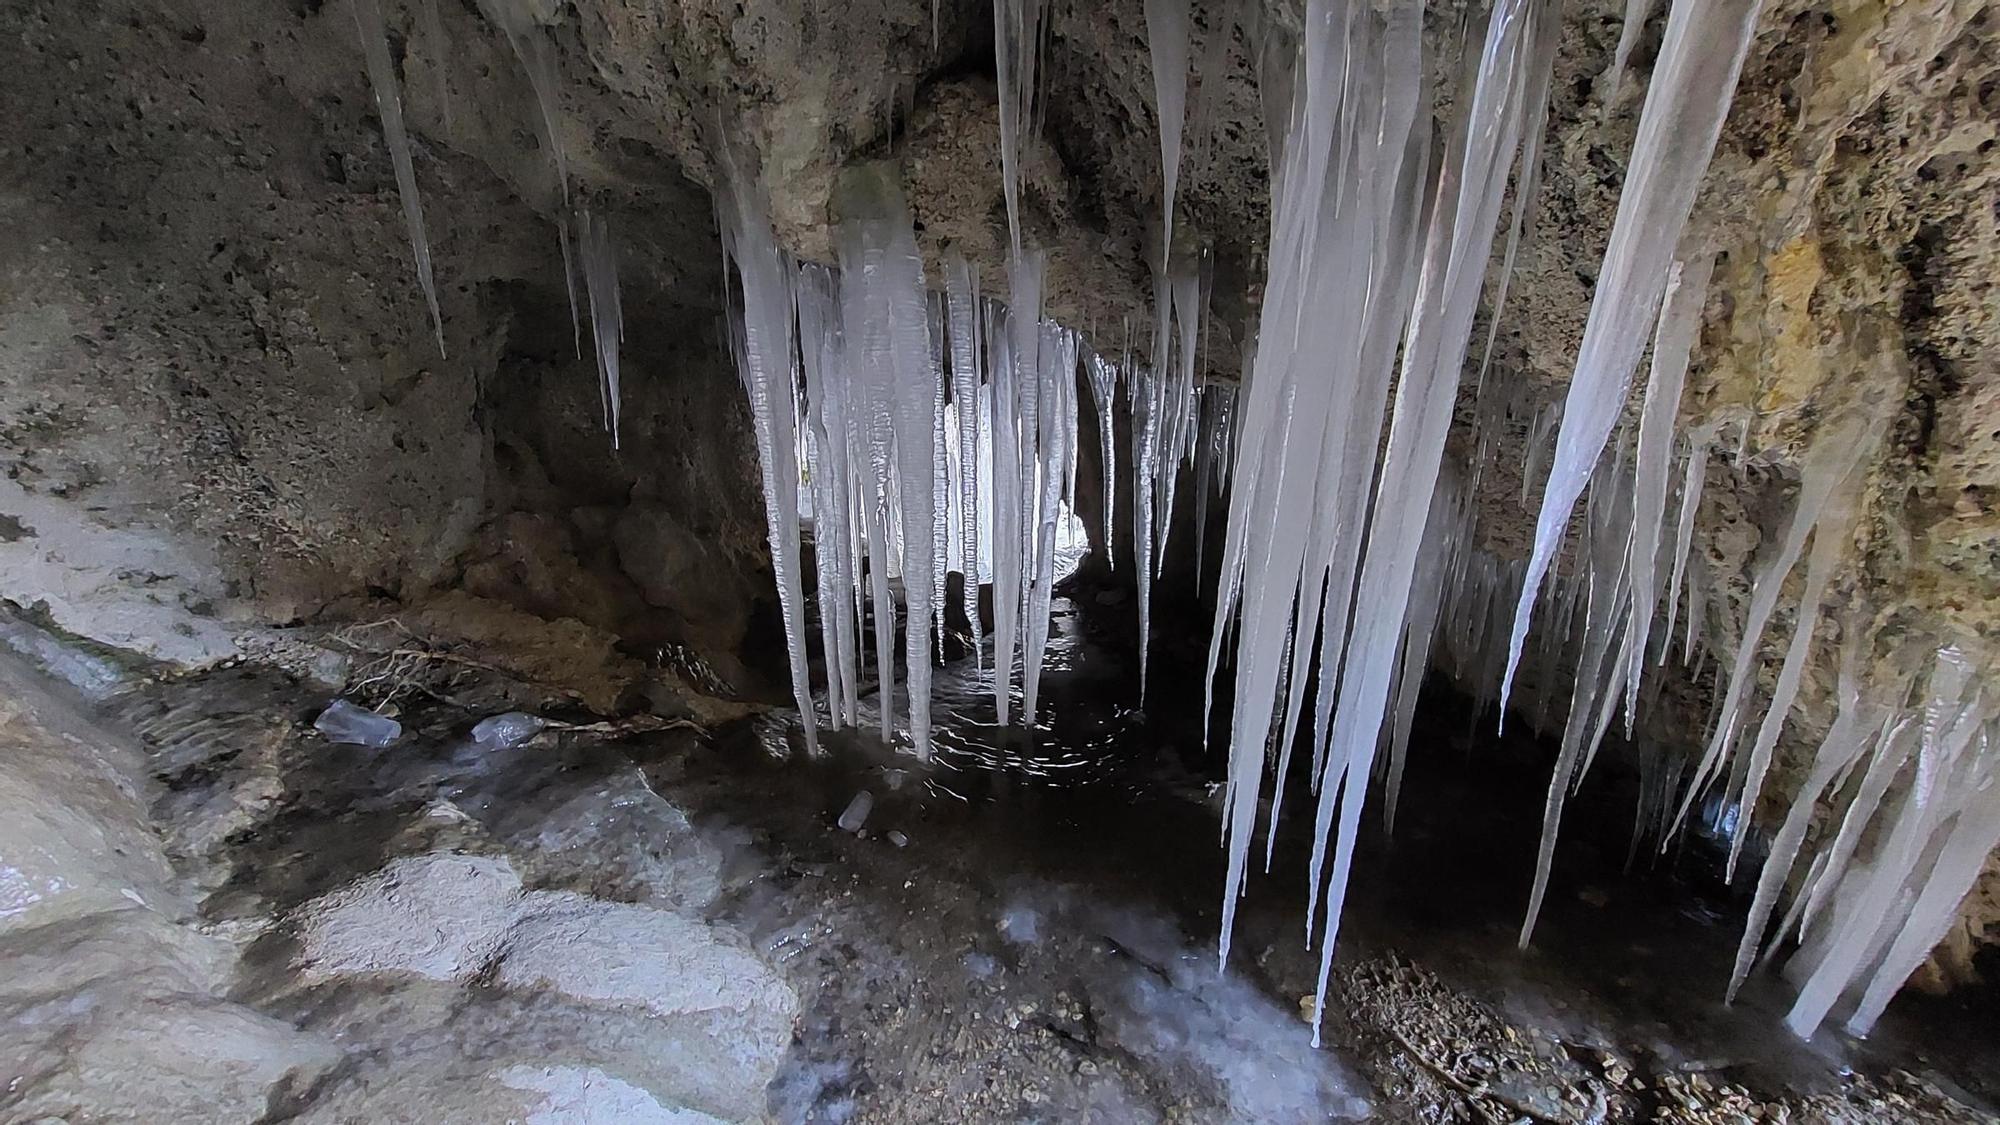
886,323
1690,93
1104,394
1846,742
1636,14
1830,541
1691,484
1017,43
1834,455
1680,323
389,105
764,363
962,294
607,314
1167,43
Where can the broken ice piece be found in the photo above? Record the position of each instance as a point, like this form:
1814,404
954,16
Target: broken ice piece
349,725
506,731
898,839
856,813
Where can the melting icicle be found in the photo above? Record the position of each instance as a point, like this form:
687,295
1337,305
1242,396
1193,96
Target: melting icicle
836,548
962,294
607,313
1690,93
389,105
764,363
1636,14
1167,43
1057,433
1017,43
888,346
1691,484
1832,458
1104,394
1680,323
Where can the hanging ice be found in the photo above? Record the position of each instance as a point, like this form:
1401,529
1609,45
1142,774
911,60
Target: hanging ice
1104,394
962,289
764,353
1680,322
886,326
1690,92
607,317
389,105
1167,43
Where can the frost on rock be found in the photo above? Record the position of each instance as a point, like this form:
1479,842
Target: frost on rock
389,105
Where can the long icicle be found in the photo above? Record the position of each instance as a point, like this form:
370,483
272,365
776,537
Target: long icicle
389,105
764,359
1167,43
1692,87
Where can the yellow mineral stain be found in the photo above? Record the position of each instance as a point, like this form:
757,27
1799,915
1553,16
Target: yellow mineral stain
1793,363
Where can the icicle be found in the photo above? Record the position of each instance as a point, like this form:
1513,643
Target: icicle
607,315
1167,43
1827,466
835,548
1057,426
1104,394
1680,323
764,362
1459,243
1830,541
389,106
885,320
962,294
519,21
941,490
1691,484
1017,41
1140,396
1893,911
1008,532
1636,14
1846,742
1690,93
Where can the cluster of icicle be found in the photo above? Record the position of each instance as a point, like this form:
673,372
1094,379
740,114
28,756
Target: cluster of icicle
1377,253
1336,561
521,22
852,373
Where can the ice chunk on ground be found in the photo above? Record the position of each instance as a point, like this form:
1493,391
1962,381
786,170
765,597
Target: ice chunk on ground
349,725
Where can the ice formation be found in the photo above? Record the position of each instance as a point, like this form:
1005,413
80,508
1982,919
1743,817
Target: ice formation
607,313
1167,43
389,105
936,427
764,347
1691,88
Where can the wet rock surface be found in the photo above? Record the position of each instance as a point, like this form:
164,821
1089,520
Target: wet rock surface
614,921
